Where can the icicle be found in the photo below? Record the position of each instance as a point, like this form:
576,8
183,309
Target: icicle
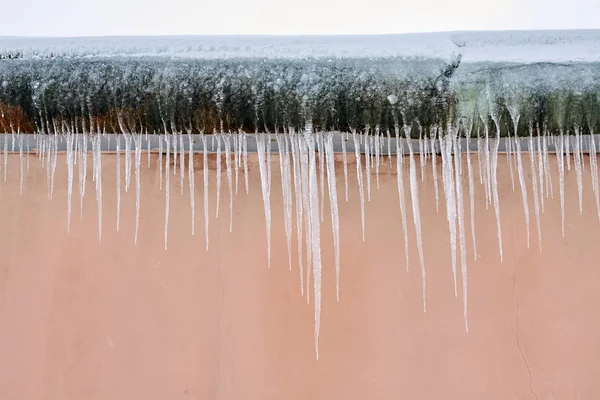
402,202
523,187
191,180
299,206
160,162
567,149
305,173
534,182
98,173
227,139
316,236
414,194
181,163
389,146
236,159
21,172
377,149
217,137
494,168
245,151
127,161
138,178
286,195
368,164
118,157
540,158
577,164
345,157
446,146
360,182
594,171
205,178
488,163
461,225
260,145
433,134
69,178
422,152
54,158
471,192
319,137
148,149
174,153
5,156
561,175
333,204
167,187
509,147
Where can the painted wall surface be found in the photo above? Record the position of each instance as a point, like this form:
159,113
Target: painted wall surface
81,319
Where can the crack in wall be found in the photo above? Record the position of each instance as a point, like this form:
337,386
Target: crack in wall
515,329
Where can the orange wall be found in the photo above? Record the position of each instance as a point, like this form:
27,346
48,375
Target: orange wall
84,320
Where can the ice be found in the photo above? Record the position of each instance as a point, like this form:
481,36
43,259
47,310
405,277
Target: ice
236,159
509,147
461,225
488,163
402,202
377,151
494,169
98,174
567,149
316,235
368,164
359,177
299,205
345,158
422,153
5,156
577,164
434,168
594,172
83,171
54,158
523,186
127,161
245,151
138,178
181,163
227,139
260,146
561,176
118,157
167,187
160,162
205,179
414,194
217,138
548,181
21,172
305,173
148,150
540,165
389,146
174,138
471,192
191,180
536,200
333,205
319,137
284,164
446,147
70,137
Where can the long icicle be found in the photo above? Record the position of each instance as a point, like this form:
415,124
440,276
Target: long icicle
333,205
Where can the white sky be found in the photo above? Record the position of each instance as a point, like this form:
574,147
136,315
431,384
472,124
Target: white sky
189,17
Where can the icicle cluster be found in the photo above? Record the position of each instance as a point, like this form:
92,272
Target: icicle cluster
307,162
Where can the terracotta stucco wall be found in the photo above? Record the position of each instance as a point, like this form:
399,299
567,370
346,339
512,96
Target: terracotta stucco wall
84,320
